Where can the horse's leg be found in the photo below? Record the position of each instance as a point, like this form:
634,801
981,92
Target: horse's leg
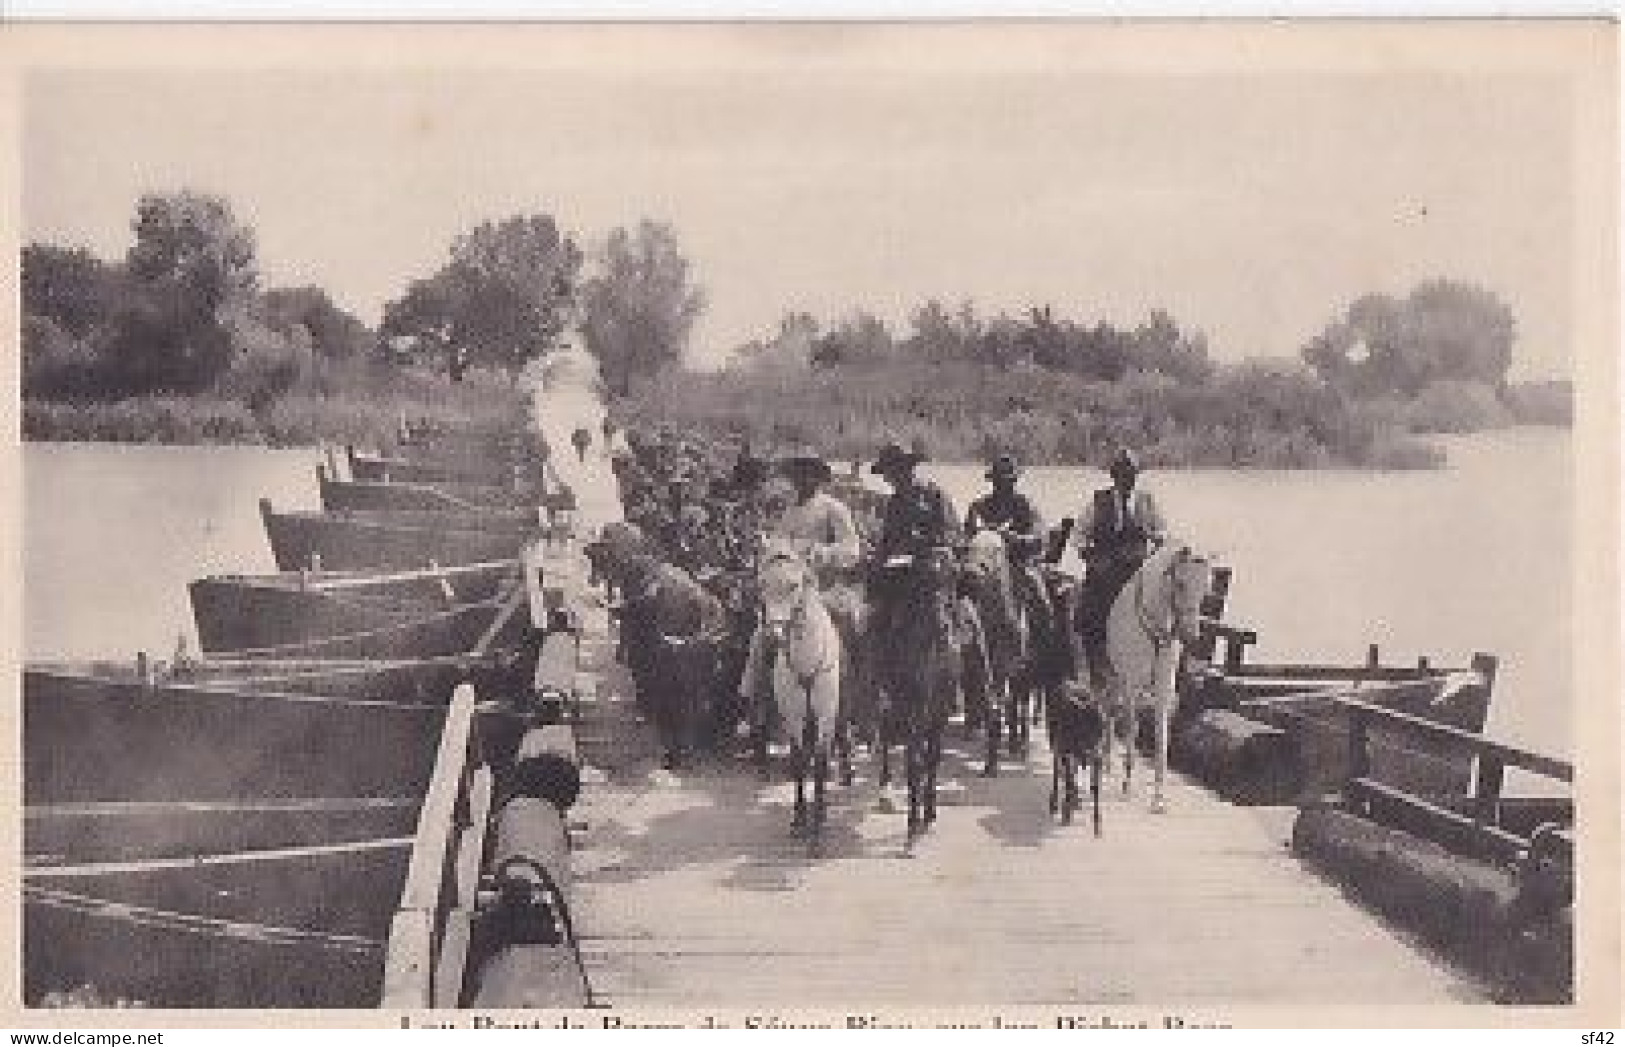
841,732
820,777
995,736
913,760
1164,711
1054,782
1094,788
1073,760
933,761
1021,699
799,756
1130,711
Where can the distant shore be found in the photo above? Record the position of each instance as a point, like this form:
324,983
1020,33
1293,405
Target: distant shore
1250,418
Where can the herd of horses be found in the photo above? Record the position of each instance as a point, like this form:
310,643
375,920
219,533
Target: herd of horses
959,634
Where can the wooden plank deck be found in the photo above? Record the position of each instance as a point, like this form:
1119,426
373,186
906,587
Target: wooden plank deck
691,893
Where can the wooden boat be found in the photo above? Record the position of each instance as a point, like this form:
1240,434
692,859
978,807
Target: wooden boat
383,541
488,467
453,495
198,844
1300,700
423,611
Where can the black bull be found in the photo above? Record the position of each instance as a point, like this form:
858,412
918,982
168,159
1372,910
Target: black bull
672,641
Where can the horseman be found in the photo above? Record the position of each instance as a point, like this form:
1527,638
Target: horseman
918,521
1009,513
1120,527
821,526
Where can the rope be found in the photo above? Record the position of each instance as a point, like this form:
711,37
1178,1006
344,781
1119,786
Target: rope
202,926
95,869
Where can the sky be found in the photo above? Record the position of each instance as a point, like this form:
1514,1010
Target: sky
1253,204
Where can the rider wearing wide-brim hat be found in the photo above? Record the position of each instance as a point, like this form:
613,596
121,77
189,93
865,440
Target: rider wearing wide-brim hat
917,524
1007,511
919,516
815,520
1119,527
821,528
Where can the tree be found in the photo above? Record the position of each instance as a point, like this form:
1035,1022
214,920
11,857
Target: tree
1444,330
1457,331
192,263
515,285
861,338
640,305
943,336
502,300
334,334
417,327
71,287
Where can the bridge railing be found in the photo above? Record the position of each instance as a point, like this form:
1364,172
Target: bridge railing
429,935
1477,827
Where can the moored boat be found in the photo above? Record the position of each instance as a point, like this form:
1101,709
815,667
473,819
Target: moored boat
378,541
424,611
1301,700
204,844
445,494
489,466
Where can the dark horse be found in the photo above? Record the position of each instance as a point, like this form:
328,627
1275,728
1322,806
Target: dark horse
919,663
669,631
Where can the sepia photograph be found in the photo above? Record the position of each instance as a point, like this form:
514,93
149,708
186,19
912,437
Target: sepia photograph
991,524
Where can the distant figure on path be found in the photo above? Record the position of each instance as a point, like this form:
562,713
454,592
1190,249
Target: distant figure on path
581,439
1120,527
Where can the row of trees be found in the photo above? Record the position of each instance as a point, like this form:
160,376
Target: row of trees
942,335
183,312
1443,331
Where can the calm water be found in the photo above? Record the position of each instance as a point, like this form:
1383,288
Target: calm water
1476,557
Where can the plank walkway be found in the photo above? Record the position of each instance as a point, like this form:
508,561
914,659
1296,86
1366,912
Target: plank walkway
691,893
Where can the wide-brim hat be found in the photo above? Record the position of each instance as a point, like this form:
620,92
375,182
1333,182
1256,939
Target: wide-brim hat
1004,467
1124,461
893,457
750,472
806,461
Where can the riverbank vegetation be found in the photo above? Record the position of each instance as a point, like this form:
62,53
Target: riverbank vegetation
1366,392
179,342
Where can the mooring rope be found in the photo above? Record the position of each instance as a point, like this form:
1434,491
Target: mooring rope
203,926
283,854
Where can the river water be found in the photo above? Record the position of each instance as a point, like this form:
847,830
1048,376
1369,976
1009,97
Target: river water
1473,557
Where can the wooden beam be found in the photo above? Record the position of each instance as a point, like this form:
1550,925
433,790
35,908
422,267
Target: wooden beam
1510,755
517,598
437,819
409,961
1401,810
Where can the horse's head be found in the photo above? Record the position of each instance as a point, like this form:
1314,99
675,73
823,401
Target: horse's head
985,556
785,580
1191,577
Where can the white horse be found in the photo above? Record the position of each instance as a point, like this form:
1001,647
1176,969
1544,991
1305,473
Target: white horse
806,675
1158,611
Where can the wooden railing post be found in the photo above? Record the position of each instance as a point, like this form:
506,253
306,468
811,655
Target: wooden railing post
1234,651
1359,748
1487,789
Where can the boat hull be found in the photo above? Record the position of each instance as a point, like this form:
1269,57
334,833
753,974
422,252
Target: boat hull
1401,758
377,494
88,738
244,619
347,542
